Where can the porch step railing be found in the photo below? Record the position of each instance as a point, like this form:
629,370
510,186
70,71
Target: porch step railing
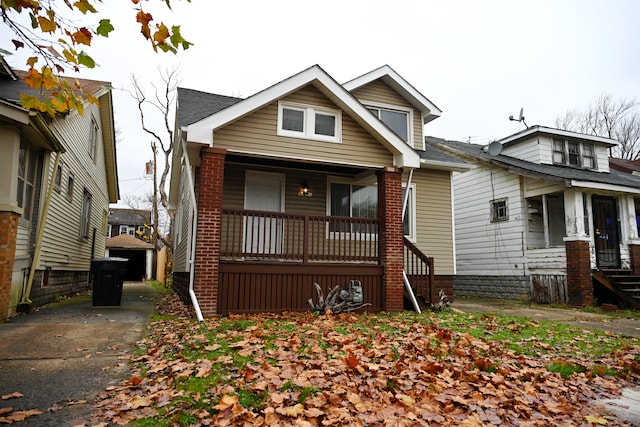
284,237
419,270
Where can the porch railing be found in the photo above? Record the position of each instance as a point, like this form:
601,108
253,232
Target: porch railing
284,237
419,270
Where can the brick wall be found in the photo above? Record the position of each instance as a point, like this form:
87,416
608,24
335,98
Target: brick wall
391,243
8,231
634,254
579,281
207,252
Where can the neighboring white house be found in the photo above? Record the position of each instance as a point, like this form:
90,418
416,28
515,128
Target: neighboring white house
541,214
58,176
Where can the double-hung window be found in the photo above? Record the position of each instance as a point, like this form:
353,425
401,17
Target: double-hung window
93,140
396,119
351,200
27,165
409,219
499,210
309,122
85,219
573,153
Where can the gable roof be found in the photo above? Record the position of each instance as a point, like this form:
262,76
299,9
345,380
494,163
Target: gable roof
129,216
564,175
623,165
195,105
127,241
543,130
202,130
400,85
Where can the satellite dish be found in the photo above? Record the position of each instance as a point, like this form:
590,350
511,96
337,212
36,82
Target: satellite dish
495,148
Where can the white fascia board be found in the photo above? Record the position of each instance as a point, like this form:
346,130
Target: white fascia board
404,155
559,132
608,187
450,166
14,113
429,110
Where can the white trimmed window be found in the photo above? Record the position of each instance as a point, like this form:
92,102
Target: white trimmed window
499,210
128,229
573,153
307,121
93,140
397,119
27,165
85,219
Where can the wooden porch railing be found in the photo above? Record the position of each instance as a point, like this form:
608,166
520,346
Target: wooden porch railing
283,237
419,270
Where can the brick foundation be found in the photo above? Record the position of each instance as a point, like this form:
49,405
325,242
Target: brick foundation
207,252
579,280
391,243
8,231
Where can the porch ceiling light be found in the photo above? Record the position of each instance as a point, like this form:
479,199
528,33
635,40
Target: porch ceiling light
304,190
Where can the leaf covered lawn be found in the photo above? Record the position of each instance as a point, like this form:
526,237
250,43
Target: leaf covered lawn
406,369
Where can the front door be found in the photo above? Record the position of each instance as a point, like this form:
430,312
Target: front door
263,232
606,230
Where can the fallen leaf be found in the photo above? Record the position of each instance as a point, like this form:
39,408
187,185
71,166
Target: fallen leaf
13,395
596,420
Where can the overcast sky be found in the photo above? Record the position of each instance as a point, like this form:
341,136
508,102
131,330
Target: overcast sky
478,61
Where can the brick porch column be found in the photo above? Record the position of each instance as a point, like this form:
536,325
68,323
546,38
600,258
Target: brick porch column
634,254
207,256
8,232
391,244
579,280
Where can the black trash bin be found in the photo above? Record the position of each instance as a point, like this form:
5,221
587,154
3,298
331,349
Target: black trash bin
108,276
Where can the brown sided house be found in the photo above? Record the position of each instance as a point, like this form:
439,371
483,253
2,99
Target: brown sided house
303,183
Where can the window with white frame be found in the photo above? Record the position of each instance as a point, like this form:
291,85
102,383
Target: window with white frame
499,210
396,119
93,140
351,200
108,230
307,121
27,166
409,219
573,153
85,219
128,229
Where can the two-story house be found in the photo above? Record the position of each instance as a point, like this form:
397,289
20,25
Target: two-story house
134,222
541,215
310,181
58,177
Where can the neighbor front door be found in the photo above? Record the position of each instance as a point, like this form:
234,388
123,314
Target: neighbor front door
607,232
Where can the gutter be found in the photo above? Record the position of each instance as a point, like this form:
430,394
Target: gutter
194,229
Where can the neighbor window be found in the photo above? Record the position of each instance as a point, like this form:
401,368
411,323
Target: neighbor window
85,220
27,165
306,121
126,229
93,140
573,153
399,121
57,182
499,210
409,219
70,185
350,200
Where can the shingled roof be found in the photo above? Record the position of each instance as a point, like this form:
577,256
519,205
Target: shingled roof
554,173
194,105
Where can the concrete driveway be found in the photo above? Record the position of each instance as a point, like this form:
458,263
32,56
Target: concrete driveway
61,356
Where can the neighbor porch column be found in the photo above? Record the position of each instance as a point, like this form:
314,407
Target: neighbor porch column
579,280
207,252
391,244
8,232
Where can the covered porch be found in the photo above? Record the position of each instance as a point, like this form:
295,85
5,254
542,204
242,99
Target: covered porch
267,231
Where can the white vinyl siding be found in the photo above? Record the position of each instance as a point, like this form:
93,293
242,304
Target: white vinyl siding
484,247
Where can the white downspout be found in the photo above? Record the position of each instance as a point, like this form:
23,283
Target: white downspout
194,228
405,279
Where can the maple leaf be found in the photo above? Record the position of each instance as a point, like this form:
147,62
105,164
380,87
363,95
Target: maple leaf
352,360
596,420
140,402
291,411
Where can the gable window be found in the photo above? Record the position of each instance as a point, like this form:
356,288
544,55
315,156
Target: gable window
399,121
306,121
85,219
350,200
573,153
93,140
499,210
27,165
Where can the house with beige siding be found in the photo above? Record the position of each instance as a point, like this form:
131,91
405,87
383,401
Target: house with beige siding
58,177
542,216
310,181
